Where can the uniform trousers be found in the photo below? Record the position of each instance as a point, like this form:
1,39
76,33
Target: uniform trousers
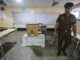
64,40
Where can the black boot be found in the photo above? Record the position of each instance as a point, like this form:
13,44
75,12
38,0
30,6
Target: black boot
59,53
64,53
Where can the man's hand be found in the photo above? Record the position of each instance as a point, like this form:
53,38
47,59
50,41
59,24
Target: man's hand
56,35
74,38
74,30
74,35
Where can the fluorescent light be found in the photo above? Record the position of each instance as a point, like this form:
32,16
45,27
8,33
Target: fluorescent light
19,0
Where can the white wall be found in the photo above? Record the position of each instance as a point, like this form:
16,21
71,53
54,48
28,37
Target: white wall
8,21
37,17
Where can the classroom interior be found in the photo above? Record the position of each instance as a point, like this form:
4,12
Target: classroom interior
20,18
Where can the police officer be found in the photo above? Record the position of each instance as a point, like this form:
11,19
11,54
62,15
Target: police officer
65,23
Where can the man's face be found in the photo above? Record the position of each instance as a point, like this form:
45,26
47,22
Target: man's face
68,9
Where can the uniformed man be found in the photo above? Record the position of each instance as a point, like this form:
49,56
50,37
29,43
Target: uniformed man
64,25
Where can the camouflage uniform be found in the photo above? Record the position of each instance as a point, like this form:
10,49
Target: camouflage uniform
64,30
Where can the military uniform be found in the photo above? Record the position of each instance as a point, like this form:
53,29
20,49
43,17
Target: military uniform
64,30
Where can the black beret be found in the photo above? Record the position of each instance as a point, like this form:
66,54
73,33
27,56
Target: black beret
69,4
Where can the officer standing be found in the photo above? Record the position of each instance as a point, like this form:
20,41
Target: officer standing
64,25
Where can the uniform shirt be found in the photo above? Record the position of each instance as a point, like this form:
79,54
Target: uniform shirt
65,22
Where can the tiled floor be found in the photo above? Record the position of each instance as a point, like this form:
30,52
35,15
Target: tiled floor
28,53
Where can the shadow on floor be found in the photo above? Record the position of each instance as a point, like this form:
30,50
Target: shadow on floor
6,47
47,51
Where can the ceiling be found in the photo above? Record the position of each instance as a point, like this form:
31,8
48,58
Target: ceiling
38,3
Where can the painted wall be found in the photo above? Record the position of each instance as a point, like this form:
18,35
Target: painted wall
8,20
36,17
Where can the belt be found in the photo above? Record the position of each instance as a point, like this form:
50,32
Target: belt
64,30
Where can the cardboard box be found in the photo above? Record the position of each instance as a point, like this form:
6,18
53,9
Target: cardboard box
32,29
